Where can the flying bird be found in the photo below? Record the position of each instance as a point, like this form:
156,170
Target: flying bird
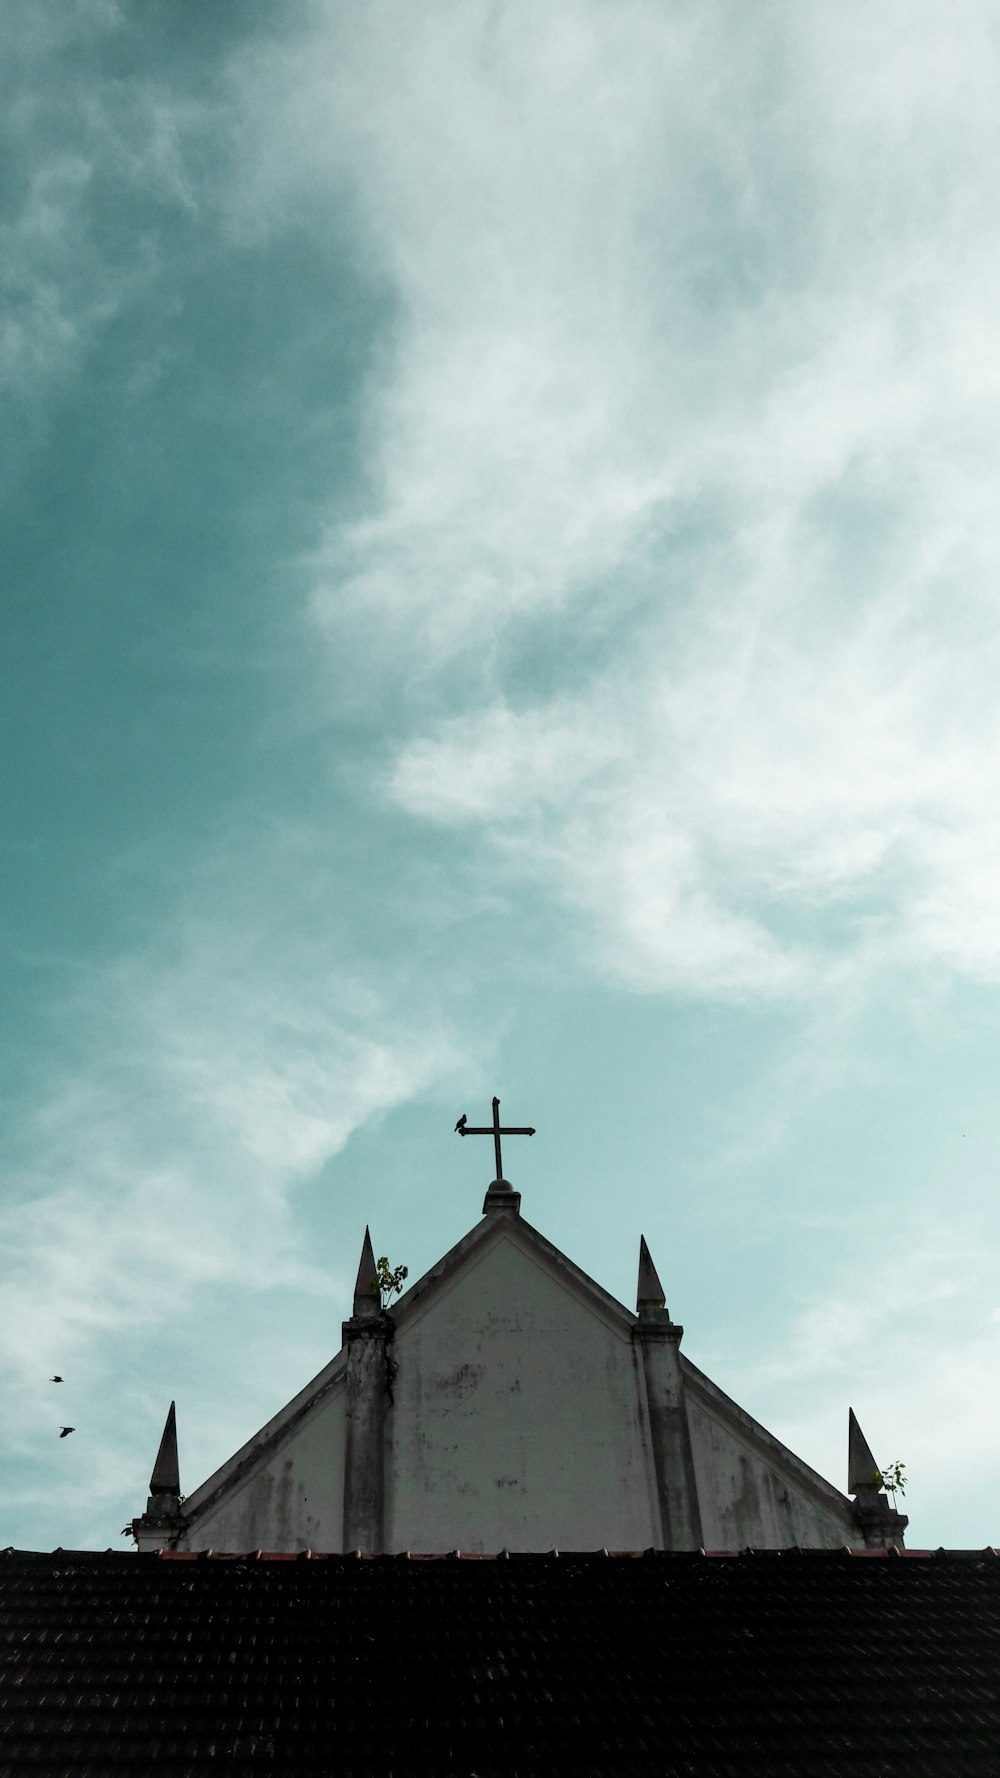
463,1120
64,1431
55,1379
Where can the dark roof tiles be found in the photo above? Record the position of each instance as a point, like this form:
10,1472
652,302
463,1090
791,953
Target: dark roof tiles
689,1666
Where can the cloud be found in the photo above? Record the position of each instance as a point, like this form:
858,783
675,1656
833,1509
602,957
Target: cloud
99,166
494,176
742,814
693,350
48,312
637,258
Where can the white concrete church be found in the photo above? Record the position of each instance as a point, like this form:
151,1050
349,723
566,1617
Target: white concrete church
507,1401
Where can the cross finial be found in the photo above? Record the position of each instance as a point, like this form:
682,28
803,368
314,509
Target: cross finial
500,1185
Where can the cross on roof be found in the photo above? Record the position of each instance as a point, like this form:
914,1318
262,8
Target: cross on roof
496,1130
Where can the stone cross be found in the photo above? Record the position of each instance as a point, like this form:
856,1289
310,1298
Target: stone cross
495,1129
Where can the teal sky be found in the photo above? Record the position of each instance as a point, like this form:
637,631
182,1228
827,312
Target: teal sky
501,580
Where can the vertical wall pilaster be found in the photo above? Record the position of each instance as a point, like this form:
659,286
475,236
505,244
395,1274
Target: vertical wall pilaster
364,1461
659,1341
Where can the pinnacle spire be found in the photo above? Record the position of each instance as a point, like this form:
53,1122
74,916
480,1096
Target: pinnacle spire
166,1476
367,1297
649,1294
862,1469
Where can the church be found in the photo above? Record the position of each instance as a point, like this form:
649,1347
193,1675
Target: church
508,1402
508,1530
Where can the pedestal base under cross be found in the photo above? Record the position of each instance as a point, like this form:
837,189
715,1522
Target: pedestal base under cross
501,1194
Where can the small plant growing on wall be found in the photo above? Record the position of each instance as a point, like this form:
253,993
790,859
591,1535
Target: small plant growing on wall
891,1478
390,1280
390,1283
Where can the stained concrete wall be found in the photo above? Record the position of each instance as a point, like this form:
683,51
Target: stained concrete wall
750,1491
518,1419
291,1498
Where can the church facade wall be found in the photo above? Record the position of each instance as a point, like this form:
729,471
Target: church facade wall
518,1419
508,1402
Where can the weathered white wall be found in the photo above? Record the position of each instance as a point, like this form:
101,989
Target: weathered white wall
748,1496
518,1418
520,1421
292,1498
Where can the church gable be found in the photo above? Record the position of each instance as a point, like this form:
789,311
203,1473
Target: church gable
517,1417
507,1401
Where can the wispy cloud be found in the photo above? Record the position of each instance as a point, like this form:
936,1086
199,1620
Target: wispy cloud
760,808
694,323
637,257
84,149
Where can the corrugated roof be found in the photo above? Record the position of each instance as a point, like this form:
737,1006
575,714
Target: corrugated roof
792,1664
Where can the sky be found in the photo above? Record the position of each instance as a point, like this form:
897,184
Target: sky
501,594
